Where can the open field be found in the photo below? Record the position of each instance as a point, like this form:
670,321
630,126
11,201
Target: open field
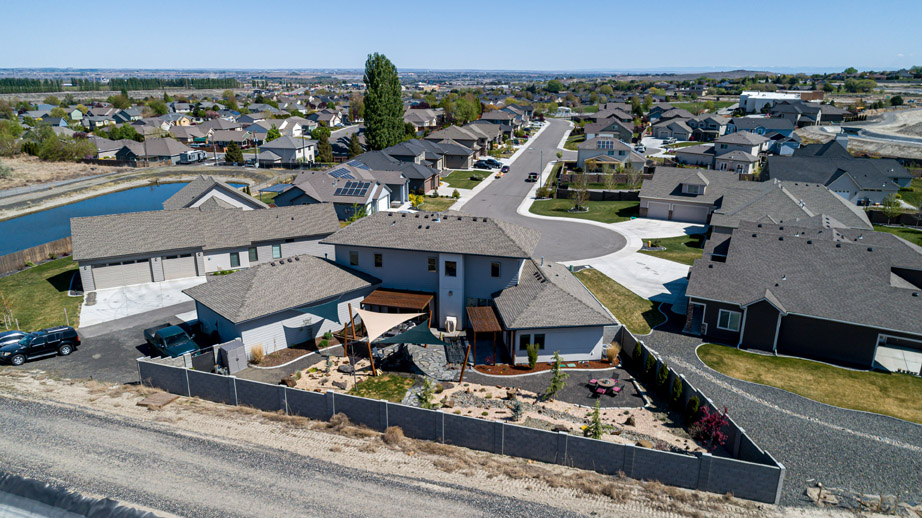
895,395
637,313
29,170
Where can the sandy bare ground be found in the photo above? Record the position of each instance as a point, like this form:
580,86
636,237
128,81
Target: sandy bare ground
96,440
30,170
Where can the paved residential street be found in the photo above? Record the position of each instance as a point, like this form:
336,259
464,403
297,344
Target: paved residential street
841,448
560,240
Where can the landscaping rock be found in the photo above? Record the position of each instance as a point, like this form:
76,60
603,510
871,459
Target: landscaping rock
288,381
888,504
813,493
448,385
340,385
644,444
871,502
629,421
561,428
346,369
512,394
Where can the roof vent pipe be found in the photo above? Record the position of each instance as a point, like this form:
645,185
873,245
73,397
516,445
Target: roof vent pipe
542,260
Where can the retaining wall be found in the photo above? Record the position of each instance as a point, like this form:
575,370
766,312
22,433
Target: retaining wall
750,480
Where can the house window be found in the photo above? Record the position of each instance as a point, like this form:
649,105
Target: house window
539,341
379,261
276,251
451,269
693,189
254,255
728,320
432,264
524,340
235,259
494,269
353,258
723,146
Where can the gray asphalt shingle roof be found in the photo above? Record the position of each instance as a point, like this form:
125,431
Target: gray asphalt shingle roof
868,173
186,196
454,233
549,296
842,275
281,285
137,233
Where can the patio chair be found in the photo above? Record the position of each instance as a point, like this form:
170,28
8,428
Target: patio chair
600,391
593,381
615,390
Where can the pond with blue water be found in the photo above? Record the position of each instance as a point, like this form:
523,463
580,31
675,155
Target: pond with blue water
52,224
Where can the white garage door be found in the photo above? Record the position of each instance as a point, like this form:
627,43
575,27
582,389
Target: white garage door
178,267
114,275
690,213
658,210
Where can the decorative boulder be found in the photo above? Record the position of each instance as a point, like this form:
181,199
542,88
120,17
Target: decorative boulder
629,421
644,444
340,385
346,369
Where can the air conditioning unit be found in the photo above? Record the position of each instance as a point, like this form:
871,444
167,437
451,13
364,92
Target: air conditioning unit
451,324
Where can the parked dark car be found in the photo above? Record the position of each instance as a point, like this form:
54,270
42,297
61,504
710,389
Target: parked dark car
505,169
532,177
172,341
61,340
492,162
480,164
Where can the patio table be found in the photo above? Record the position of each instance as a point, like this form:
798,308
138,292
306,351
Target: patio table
606,383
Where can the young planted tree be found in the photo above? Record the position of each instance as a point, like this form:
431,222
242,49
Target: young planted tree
355,147
532,350
596,427
324,149
426,394
892,207
580,194
518,409
383,104
558,378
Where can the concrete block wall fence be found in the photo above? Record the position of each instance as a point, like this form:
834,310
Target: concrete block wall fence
739,445
753,481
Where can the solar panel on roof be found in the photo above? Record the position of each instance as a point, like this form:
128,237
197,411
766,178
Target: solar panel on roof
341,173
356,163
353,188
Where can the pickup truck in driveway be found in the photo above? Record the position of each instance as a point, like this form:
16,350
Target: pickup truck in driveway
172,341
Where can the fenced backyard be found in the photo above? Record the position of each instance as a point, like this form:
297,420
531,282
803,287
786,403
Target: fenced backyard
18,260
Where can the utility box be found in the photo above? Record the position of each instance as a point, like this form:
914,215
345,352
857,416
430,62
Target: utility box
233,356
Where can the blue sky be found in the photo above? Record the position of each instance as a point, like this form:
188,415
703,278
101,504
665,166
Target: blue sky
471,34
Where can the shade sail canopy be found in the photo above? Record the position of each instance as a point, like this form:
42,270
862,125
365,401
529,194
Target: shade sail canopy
329,311
376,324
420,335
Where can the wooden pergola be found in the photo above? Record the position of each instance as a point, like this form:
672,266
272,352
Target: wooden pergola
414,301
482,320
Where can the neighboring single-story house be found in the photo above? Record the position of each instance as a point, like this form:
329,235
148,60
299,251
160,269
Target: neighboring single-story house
721,199
850,297
423,179
141,247
459,261
282,303
349,187
761,125
154,150
672,128
205,188
860,180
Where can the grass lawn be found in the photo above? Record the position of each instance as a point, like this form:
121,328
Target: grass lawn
603,211
573,141
913,195
267,197
38,296
682,249
436,204
685,144
462,179
637,313
699,105
389,387
910,234
895,395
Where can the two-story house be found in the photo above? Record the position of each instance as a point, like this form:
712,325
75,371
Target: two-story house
608,150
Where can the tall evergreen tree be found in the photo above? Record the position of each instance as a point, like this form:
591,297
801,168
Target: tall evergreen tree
383,104
324,149
233,154
355,147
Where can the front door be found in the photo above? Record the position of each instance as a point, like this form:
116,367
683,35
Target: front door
694,324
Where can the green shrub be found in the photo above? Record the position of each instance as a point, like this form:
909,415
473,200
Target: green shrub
424,396
691,409
328,336
543,192
676,392
558,378
455,194
662,376
518,409
532,350
324,343
649,366
637,355
30,264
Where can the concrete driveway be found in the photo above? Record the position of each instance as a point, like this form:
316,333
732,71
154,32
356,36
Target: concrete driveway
654,278
116,303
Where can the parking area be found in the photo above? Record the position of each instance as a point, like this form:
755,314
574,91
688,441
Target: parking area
108,351
116,303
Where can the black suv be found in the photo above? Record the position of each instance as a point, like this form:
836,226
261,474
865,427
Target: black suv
47,342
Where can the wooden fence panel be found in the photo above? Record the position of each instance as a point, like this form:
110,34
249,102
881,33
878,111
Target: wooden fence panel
36,254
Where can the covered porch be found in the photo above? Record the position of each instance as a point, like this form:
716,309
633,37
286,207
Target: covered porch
384,300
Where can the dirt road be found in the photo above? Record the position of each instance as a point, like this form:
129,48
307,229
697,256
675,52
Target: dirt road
195,458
